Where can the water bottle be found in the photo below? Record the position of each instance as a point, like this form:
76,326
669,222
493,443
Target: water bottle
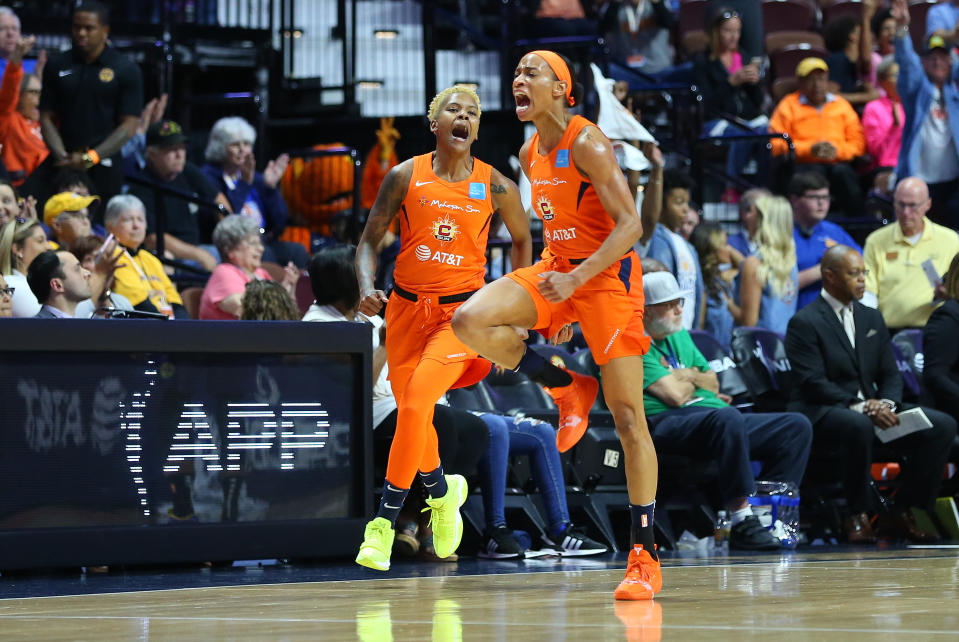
721,532
777,506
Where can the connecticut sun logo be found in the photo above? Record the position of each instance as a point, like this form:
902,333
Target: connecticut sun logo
445,229
545,208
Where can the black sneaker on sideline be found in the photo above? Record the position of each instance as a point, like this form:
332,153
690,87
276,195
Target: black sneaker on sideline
500,544
750,535
573,542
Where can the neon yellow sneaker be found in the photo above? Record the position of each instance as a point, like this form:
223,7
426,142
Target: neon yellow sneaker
377,545
445,519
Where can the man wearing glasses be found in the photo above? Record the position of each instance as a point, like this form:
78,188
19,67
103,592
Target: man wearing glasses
809,196
907,259
67,217
689,416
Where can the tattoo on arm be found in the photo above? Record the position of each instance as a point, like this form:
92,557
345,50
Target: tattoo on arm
496,188
387,204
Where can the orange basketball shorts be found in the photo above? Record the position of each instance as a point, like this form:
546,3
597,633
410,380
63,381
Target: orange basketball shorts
421,330
608,307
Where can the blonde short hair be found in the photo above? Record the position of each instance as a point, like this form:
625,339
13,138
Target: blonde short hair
440,99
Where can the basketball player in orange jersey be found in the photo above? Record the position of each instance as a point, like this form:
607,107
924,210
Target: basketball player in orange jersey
445,201
588,273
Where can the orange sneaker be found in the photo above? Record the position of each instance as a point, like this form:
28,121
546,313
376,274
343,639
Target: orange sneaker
574,402
644,577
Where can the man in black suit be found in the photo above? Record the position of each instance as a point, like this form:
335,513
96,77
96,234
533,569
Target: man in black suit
846,381
59,282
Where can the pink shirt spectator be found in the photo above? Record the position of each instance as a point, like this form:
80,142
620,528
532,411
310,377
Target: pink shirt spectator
226,279
883,135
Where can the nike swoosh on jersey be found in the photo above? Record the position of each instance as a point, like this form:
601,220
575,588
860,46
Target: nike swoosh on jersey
421,183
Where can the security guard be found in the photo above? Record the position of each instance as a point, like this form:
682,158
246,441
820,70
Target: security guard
91,103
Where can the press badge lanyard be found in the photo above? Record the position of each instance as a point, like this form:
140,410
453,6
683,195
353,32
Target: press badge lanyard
164,305
671,357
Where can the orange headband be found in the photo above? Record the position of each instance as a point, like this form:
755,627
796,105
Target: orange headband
560,69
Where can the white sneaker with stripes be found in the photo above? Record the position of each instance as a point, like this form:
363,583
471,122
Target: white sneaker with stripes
573,542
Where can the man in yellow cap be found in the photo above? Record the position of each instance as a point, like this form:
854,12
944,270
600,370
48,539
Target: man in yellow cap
825,131
66,216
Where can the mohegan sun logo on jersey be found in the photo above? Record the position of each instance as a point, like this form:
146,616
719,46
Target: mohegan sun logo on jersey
445,229
545,208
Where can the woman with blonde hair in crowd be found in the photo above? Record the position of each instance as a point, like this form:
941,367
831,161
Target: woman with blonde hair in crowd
21,241
769,280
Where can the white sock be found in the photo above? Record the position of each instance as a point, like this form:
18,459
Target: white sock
737,516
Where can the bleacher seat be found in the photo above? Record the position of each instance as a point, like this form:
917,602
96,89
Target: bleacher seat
840,8
784,61
789,15
781,39
304,293
918,10
721,362
476,397
513,392
191,301
695,42
692,16
760,355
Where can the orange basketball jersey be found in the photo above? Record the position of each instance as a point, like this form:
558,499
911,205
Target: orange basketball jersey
574,221
443,230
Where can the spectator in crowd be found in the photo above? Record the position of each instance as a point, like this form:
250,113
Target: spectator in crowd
845,380
12,206
638,34
510,436
883,28
140,276
21,241
661,240
266,300
558,18
59,282
843,38
897,258
690,221
744,240
167,165
134,151
882,122
6,299
750,12
90,251
23,146
462,437
67,217
238,241
688,416
715,263
91,102
231,167
729,83
943,21
809,197
930,99
825,131
9,37
769,279
941,362
72,180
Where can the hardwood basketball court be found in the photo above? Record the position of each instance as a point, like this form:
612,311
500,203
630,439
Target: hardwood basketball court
816,594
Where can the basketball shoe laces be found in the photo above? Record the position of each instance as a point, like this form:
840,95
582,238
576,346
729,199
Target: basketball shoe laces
641,569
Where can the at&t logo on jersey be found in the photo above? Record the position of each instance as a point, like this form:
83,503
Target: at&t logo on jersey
563,234
445,229
424,254
546,211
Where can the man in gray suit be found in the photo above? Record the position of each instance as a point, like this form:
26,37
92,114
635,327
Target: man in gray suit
845,379
59,283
